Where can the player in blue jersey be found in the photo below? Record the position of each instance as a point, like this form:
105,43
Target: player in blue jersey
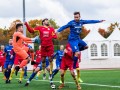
59,54
76,43
9,60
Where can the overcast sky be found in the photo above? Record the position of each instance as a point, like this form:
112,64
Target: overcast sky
61,11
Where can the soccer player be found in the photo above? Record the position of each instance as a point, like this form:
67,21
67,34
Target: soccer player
59,55
38,60
76,43
67,62
47,33
18,61
19,47
2,58
9,60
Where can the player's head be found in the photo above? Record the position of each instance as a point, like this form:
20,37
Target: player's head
2,47
61,47
45,22
10,41
76,16
40,47
19,27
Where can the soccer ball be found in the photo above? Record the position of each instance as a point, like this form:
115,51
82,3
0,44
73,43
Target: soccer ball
53,86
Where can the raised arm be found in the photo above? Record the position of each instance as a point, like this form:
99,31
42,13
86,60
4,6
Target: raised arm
31,30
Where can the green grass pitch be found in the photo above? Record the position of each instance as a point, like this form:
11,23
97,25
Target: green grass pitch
93,80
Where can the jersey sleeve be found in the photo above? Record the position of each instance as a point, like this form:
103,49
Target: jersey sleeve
23,37
31,30
55,54
90,21
64,27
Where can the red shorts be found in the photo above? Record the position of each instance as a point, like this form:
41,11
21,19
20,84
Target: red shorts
66,63
2,63
38,60
47,50
17,60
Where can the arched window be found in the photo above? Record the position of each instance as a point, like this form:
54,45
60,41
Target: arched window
116,49
104,50
93,49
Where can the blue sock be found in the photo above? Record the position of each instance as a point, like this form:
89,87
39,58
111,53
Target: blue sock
25,71
55,72
75,61
32,76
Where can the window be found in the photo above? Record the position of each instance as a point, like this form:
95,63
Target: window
104,50
93,49
116,49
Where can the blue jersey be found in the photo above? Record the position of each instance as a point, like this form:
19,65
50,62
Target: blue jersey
76,28
59,55
7,50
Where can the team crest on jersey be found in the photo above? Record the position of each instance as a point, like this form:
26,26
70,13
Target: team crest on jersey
45,34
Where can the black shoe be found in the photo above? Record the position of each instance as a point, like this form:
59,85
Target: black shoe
19,81
6,81
26,84
9,81
16,70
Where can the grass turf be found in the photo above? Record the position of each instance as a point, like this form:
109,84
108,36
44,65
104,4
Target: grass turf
93,80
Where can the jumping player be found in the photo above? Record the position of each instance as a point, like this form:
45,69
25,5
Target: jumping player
75,29
47,33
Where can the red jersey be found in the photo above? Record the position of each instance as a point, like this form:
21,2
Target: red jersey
46,34
38,56
2,57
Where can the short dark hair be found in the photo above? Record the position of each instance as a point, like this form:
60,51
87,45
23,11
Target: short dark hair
18,25
75,13
44,20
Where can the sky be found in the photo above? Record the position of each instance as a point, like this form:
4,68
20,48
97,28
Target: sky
61,11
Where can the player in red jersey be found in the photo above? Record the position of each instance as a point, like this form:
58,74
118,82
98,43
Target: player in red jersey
37,61
2,57
47,33
67,62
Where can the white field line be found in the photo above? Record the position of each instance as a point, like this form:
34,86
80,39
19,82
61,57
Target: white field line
89,84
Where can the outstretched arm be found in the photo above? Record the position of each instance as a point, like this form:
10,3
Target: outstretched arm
92,21
64,27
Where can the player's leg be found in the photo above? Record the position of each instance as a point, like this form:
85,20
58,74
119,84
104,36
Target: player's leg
76,82
38,74
21,75
33,75
62,79
43,63
25,72
55,71
78,75
82,45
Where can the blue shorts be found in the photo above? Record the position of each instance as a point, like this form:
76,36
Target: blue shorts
77,45
40,65
57,64
8,63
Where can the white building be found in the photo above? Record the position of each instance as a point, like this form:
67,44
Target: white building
114,41
98,46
